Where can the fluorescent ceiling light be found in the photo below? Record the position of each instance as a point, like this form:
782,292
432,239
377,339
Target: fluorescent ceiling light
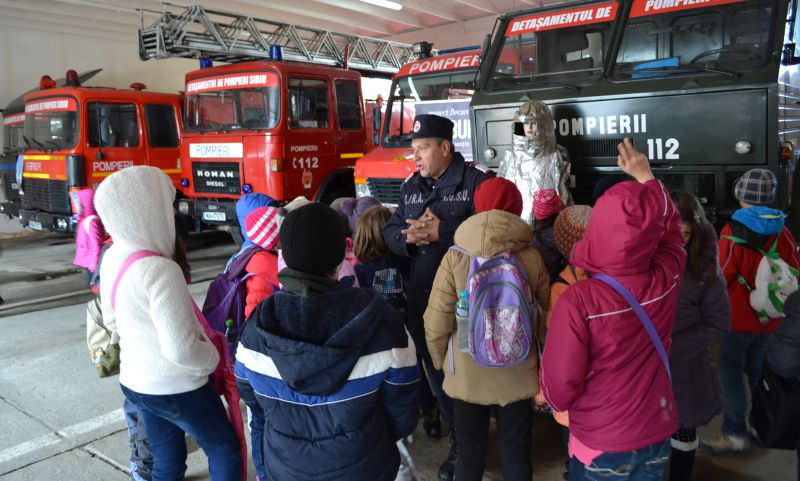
385,4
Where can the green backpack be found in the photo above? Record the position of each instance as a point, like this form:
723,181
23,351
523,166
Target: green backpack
775,280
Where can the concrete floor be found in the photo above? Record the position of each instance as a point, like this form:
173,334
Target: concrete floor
58,421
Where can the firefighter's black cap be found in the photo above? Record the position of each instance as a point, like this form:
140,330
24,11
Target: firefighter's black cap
427,125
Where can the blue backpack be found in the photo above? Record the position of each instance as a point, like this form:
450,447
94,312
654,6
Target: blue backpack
225,299
502,314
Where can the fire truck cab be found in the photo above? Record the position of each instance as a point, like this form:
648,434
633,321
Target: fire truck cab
285,117
13,123
442,84
77,136
281,128
707,89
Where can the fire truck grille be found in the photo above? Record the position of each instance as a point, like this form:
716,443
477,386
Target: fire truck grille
385,190
216,177
46,195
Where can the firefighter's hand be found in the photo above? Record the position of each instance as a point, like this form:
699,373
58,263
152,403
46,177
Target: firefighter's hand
423,230
415,236
633,162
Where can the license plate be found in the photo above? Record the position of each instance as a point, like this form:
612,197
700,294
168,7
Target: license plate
214,216
35,225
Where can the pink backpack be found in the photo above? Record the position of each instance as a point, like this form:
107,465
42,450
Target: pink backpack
223,377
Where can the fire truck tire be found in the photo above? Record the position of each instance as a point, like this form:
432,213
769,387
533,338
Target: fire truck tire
339,183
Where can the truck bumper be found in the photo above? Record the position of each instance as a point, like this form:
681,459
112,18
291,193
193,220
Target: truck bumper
45,221
210,213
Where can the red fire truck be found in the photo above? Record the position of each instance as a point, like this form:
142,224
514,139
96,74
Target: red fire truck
13,145
286,119
442,84
76,136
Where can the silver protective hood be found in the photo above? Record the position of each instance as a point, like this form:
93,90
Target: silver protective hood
536,162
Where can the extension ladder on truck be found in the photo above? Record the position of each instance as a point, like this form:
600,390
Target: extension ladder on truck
199,32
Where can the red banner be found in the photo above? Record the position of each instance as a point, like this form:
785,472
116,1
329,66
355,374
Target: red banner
471,59
234,81
642,8
14,119
50,105
599,13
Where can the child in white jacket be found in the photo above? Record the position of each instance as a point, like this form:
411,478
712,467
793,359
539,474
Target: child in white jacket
166,359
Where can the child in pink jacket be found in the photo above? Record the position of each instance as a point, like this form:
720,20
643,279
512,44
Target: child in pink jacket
89,232
599,362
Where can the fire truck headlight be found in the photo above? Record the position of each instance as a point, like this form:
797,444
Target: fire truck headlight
362,190
489,153
743,147
62,224
183,207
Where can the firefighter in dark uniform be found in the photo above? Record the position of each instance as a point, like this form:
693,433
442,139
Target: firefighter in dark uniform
433,203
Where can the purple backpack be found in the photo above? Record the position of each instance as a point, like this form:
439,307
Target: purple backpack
502,314
225,299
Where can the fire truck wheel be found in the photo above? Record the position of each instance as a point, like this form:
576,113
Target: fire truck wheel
338,184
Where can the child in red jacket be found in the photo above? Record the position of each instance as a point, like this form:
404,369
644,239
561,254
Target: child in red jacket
262,269
755,226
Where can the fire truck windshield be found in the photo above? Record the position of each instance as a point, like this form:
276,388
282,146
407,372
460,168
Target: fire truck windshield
229,109
661,39
51,130
12,137
407,91
565,47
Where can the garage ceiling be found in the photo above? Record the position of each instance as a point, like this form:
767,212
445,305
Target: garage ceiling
119,19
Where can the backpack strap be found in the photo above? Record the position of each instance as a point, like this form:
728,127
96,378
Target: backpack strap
122,270
738,240
742,242
643,317
474,263
239,263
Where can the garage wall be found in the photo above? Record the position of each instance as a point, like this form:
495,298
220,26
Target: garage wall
26,54
28,51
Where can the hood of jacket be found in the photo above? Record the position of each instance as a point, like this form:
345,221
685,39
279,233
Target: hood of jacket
761,220
247,204
315,341
544,142
624,230
135,205
83,200
491,232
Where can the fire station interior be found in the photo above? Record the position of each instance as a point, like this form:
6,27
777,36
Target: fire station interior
317,99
